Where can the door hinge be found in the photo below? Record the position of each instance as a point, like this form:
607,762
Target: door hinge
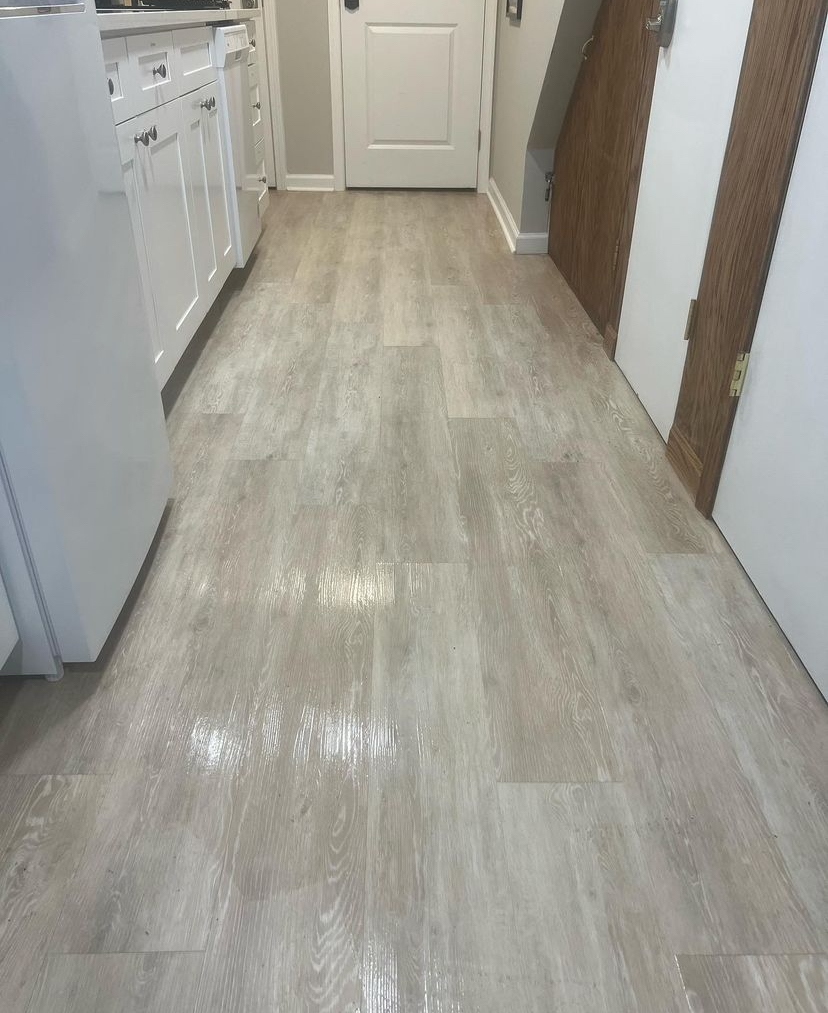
479,139
739,371
615,256
691,319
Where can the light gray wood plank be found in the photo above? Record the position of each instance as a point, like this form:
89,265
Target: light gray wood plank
421,510
544,701
781,984
762,695
148,877
499,502
195,714
127,982
279,414
439,928
584,902
288,932
223,377
45,824
342,460
722,880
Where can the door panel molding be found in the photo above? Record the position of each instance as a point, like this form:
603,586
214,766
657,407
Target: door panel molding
778,67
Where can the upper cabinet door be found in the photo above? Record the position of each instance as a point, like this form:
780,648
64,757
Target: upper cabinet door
216,255
163,192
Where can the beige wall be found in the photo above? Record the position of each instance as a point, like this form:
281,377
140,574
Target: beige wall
305,75
536,65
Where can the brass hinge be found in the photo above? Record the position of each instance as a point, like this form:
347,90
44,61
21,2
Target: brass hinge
691,319
739,371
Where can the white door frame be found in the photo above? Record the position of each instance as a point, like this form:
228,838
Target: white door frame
275,91
486,94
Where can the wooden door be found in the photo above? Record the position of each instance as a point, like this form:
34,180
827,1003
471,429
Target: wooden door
598,160
777,70
411,75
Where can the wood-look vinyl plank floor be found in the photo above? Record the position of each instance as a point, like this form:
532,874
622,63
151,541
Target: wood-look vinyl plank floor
745,984
435,693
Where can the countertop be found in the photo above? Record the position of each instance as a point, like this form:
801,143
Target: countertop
128,21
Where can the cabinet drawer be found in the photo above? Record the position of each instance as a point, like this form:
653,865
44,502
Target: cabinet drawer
116,63
194,58
153,70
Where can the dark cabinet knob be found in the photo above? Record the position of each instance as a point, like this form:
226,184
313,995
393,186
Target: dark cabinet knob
351,5
111,86
160,71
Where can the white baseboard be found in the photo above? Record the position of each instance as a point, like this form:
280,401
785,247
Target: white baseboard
532,242
310,184
503,214
519,242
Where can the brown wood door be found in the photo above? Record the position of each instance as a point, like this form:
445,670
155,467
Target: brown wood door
598,160
780,57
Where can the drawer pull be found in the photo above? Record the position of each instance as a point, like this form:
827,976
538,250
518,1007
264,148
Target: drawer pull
252,43
208,103
111,86
257,105
153,132
142,138
160,71
262,179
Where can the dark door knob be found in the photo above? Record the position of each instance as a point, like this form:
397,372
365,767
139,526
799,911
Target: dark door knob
351,5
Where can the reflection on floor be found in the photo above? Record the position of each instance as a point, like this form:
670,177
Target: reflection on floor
437,694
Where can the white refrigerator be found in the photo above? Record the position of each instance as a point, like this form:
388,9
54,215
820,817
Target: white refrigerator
84,458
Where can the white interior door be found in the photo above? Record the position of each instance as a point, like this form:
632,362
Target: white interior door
772,504
411,75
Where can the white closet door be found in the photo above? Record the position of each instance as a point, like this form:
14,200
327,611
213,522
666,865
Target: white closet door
411,86
773,498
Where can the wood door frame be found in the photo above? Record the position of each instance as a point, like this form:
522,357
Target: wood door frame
486,94
642,123
275,91
769,191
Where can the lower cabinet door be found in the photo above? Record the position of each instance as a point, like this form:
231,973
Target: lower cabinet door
155,158
213,230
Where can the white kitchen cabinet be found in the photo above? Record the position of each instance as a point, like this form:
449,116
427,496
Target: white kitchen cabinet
156,163
216,255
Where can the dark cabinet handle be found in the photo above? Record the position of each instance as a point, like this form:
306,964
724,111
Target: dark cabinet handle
351,5
160,71
257,105
111,86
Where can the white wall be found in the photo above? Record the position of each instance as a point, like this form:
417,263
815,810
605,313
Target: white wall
305,76
773,499
693,101
523,51
8,629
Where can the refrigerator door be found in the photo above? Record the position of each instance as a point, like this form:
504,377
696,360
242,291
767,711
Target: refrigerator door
82,429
